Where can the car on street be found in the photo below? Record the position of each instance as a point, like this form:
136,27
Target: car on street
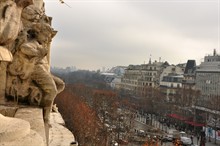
114,143
141,133
168,138
186,140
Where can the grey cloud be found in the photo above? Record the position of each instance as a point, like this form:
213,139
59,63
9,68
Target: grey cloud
110,33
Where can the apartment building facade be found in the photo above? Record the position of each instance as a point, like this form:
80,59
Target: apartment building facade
208,80
139,78
171,81
208,83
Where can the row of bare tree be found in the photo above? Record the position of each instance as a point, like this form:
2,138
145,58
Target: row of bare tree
80,118
93,114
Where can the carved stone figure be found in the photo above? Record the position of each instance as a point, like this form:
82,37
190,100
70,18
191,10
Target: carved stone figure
29,70
25,37
10,24
10,19
26,34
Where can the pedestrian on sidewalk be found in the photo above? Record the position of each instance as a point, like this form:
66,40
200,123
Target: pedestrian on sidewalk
191,138
197,139
161,142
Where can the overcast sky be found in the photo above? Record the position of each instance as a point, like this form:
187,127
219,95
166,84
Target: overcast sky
105,33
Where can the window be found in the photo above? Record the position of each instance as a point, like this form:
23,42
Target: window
178,85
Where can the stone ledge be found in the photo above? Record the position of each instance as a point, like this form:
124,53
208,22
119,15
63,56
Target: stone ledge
16,131
31,139
59,134
35,117
13,128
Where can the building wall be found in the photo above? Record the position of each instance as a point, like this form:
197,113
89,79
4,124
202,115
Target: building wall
208,79
171,81
171,84
138,78
172,69
189,75
208,83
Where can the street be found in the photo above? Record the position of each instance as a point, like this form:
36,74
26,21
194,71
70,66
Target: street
140,124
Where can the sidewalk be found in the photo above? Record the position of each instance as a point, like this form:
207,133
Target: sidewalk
212,142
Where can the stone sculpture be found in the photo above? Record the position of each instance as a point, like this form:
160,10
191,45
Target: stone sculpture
29,69
10,16
10,24
25,78
26,34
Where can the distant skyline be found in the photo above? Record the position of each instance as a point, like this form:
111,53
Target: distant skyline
105,33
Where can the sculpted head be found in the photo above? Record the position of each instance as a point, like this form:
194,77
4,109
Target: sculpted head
44,32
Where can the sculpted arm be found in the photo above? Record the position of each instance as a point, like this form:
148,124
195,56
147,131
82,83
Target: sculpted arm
33,49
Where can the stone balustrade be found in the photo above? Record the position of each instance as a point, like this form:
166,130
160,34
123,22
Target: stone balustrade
25,125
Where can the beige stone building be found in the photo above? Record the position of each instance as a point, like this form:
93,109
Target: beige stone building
138,78
171,81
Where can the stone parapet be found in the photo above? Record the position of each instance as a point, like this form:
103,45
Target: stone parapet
59,134
15,131
25,125
35,117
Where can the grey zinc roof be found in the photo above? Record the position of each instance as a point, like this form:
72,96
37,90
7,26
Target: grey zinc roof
190,67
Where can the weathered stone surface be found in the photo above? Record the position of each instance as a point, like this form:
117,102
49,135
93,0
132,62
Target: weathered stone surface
12,129
56,118
10,19
34,117
5,54
3,67
8,111
59,135
25,37
31,139
39,3
10,25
